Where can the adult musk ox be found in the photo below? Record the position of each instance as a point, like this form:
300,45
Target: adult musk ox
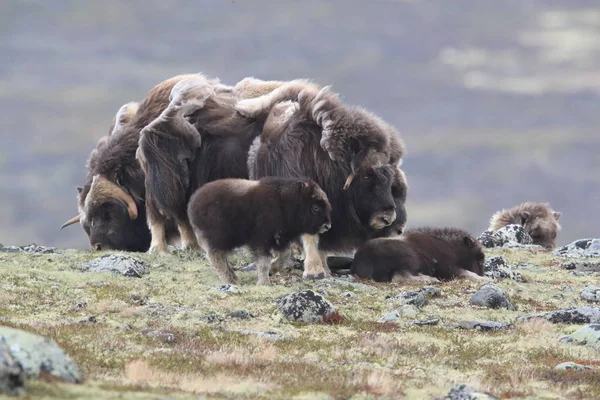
264,215
352,155
198,138
538,219
111,203
421,254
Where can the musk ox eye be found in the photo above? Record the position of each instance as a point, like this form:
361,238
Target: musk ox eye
316,208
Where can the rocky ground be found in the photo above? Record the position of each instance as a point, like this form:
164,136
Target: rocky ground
140,326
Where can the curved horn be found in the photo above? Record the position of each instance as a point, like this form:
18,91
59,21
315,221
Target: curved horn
348,181
103,189
72,221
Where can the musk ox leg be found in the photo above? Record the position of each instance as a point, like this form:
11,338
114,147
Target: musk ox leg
218,260
188,237
156,223
419,278
250,87
282,259
263,265
260,106
472,276
313,263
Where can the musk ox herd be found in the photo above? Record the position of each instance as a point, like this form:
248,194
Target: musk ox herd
264,165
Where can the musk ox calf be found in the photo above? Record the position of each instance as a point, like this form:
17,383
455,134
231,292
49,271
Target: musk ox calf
349,152
421,254
264,215
538,219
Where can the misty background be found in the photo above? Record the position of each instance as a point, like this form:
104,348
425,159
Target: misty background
498,101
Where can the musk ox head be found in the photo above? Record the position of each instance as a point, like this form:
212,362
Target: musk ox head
371,195
316,207
470,255
399,193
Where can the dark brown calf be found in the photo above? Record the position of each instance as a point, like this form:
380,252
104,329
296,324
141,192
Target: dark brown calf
538,219
264,215
423,254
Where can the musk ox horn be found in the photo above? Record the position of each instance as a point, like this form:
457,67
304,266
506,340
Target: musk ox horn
348,181
72,221
103,189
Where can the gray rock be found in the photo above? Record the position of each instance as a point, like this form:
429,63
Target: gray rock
588,335
31,248
229,289
391,317
582,248
489,240
491,296
344,282
12,376
430,291
240,314
576,315
306,306
496,267
409,310
116,263
414,298
39,355
591,293
510,236
464,392
571,365
166,337
427,322
347,294
484,325
248,268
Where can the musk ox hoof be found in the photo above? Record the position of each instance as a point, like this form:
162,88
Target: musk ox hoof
313,276
158,251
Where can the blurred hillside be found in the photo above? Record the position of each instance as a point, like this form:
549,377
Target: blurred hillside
497,100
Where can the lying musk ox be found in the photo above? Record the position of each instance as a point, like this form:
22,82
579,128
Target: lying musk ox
111,203
198,138
421,254
538,219
264,215
351,154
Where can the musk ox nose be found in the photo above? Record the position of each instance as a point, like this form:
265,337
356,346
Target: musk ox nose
388,218
325,227
98,246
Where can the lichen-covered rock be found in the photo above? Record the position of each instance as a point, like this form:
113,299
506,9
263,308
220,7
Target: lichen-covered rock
166,337
489,240
591,293
12,376
306,306
491,296
464,392
497,267
588,336
116,263
229,289
414,298
576,315
39,355
409,311
240,314
31,248
585,266
394,316
427,322
484,325
571,365
582,248
511,236
430,291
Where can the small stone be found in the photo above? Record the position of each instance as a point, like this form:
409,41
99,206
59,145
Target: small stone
391,317
569,266
138,300
116,263
248,268
306,306
582,248
571,365
577,315
79,306
241,314
491,296
414,298
427,322
430,291
464,392
588,336
591,294
212,318
125,327
484,325
165,337
263,334
347,294
91,319
38,355
229,289
409,311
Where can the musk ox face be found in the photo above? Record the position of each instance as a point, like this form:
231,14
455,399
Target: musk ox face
471,256
543,230
371,193
317,208
109,227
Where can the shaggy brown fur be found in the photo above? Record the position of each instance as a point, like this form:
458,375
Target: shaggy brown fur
264,215
423,254
538,219
107,222
197,139
358,146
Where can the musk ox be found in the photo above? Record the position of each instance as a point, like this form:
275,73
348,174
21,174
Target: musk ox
264,215
421,254
538,219
353,156
111,203
198,138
